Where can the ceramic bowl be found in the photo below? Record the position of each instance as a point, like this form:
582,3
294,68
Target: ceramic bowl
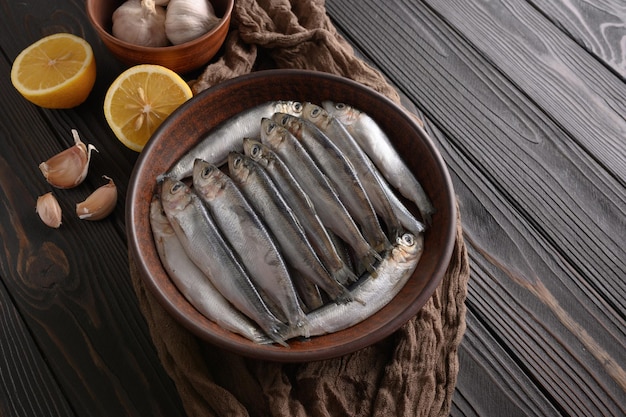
181,58
194,119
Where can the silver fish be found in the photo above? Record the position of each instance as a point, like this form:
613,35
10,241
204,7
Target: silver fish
249,238
193,284
301,204
363,166
329,207
392,274
227,137
379,148
401,211
206,247
340,171
259,189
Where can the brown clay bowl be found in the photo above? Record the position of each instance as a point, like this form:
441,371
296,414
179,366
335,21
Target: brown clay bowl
181,58
198,116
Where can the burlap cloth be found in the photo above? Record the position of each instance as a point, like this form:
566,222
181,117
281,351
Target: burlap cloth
412,372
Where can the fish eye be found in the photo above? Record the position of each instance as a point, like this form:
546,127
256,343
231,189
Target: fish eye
340,106
297,106
206,171
176,187
408,239
284,120
255,151
316,111
237,162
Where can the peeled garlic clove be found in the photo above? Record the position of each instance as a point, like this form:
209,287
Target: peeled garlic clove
99,204
49,210
68,168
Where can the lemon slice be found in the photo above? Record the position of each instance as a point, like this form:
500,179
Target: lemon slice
56,72
140,99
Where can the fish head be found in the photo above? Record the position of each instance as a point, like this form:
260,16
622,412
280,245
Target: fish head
315,114
407,247
287,121
289,106
253,148
158,220
175,195
345,113
208,180
272,133
238,167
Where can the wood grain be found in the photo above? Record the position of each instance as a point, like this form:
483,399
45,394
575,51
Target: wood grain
24,374
542,205
79,306
599,26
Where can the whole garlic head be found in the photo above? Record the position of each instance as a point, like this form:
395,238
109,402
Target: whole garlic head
186,20
140,22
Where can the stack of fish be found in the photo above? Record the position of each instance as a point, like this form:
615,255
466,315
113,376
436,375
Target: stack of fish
284,221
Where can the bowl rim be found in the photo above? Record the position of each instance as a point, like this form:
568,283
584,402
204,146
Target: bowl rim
224,20
244,347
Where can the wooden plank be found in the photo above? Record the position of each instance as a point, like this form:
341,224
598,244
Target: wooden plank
487,371
580,94
532,199
554,325
599,26
507,137
72,285
27,387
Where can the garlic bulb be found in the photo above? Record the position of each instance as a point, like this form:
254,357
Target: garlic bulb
49,210
99,204
68,168
186,20
140,22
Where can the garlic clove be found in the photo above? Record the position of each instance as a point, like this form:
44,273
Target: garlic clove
99,204
68,168
49,210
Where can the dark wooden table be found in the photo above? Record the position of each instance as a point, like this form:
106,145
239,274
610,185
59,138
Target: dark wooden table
527,103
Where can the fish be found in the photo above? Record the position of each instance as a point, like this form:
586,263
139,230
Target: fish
329,207
301,204
193,284
249,238
206,247
262,193
341,173
363,166
408,221
375,292
378,146
227,136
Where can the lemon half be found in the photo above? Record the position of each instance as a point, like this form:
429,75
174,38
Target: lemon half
140,99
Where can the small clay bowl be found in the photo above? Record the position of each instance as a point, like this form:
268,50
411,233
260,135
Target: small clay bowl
181,58
194,119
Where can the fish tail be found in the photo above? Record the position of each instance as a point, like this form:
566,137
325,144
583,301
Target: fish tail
277,333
